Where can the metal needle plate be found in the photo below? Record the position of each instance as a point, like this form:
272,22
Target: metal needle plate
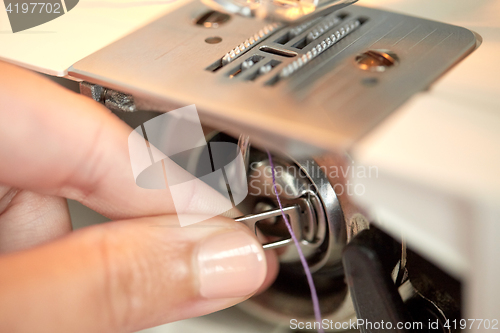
311,83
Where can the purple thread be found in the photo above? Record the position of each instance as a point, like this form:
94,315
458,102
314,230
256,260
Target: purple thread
312,287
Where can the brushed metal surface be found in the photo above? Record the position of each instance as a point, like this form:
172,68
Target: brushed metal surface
327,104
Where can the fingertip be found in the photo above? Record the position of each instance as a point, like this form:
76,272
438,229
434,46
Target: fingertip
230,264
272,270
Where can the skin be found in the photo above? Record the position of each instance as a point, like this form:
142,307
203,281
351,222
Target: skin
129,274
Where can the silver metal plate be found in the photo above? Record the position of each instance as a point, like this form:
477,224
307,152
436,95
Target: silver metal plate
327,103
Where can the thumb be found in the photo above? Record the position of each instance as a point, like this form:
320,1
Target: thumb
129,275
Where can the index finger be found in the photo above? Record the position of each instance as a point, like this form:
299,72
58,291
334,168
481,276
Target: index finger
58,142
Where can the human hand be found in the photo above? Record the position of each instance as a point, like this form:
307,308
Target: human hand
139,271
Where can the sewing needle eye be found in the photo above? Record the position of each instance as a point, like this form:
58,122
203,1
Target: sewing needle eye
293,213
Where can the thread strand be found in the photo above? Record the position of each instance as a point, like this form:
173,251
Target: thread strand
310,281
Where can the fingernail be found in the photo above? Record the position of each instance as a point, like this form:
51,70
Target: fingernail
231,264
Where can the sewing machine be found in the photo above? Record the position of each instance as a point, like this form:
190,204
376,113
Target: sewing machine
398,112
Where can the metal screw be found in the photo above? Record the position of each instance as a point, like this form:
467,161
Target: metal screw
376,60
212,19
